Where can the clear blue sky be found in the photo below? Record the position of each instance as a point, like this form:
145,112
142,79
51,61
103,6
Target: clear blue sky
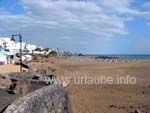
87,26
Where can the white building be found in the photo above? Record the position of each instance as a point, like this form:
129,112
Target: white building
30,47
14,47
9,48
3,59
6,57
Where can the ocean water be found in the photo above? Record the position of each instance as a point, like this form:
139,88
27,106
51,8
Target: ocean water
139,57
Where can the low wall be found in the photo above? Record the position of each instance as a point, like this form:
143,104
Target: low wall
50,99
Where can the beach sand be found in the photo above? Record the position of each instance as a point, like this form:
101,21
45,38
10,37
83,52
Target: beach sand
100,98
104,98
9,68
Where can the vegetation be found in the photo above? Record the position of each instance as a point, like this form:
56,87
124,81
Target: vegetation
67,53
38,49
53,53
46,49
80,54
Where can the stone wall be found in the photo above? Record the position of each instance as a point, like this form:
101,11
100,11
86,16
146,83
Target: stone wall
50,99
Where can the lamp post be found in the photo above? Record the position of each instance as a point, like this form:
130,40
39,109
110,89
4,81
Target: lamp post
20,50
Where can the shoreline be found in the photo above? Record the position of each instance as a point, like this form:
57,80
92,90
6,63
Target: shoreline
99,59
124,56
97,98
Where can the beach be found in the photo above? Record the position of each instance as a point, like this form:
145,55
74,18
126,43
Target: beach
9,68
103,98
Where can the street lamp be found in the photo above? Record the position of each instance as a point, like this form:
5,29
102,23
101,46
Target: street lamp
20,40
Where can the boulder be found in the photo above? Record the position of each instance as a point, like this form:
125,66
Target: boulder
5,83
22,86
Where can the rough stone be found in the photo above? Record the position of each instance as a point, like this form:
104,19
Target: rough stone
5,83
50,99
22,86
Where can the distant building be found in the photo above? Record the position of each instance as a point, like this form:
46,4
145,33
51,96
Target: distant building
6,57
9,49
3,58
14,47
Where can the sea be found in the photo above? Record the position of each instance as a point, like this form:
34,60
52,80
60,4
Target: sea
126,56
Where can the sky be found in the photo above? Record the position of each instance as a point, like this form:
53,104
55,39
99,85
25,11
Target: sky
80,26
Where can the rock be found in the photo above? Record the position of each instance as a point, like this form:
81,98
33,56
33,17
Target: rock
5,83
113,106
143,92
49,99
137,111
22,86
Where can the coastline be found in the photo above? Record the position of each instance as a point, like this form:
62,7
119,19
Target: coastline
123,56
100,98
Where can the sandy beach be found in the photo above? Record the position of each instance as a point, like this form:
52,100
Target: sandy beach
9,68
99,98
103,98
96,51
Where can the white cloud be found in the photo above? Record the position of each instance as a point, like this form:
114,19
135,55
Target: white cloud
81,14
148,23
118,6
71,19
146,5
66,14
